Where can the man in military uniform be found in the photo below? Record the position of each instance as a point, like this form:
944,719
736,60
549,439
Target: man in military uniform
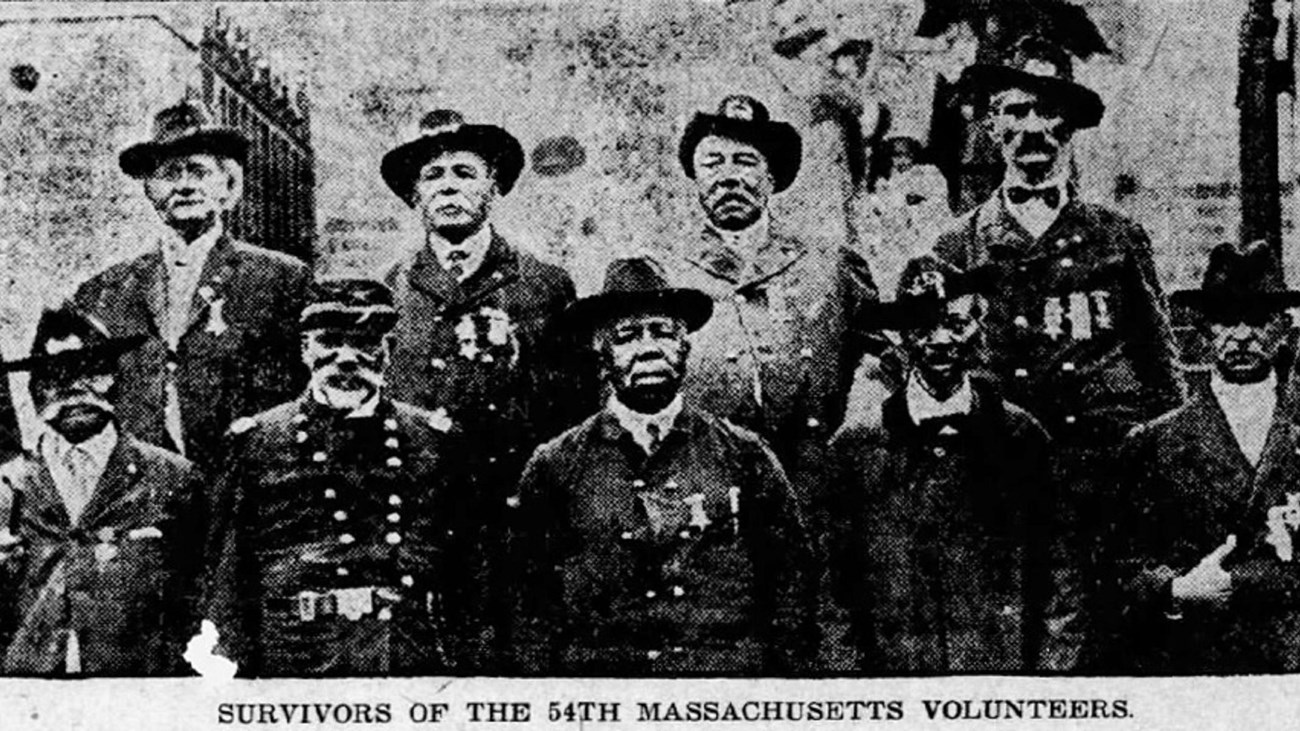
216,313
101,550
1209,494
1077,328
474,307
340,536
658,539
943,546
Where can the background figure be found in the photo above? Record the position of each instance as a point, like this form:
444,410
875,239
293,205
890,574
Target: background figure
216,314
944,542
654,538
1208,498
341,535
101,550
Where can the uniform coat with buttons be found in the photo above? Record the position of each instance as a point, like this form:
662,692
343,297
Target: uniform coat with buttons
942,546
688,561
1183,486
124,578
236,362
779,354
363,510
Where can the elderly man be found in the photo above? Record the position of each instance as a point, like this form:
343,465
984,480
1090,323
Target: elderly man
1204,548
341,538
217,313
943,546
1077,327
658,538
101,552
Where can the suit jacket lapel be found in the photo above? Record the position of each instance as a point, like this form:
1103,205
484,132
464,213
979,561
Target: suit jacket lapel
218,273
500,268
1217,442
44,504
151,288
427,275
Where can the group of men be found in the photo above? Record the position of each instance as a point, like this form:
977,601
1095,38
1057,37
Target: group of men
418,474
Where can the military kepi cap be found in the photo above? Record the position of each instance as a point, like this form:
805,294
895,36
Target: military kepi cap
349,303
637,285
442,130
745,119
72,343
925,288
184,128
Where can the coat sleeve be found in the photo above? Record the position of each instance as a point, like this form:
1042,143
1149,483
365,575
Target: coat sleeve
853,480
1054,588
229,597
187,517
1131,554
538,595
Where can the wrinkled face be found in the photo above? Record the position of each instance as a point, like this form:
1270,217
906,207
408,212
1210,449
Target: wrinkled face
190,192
1031,133
1247,345
347,366
943,352
733,182
645,359
454,193
78,406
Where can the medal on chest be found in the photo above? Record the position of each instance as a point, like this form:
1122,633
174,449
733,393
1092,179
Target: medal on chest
1282,523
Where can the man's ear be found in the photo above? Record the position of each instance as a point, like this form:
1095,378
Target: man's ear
235,182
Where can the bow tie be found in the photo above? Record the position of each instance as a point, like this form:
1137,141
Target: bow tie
1051,197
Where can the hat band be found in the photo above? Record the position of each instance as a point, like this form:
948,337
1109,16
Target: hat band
441,129
361,313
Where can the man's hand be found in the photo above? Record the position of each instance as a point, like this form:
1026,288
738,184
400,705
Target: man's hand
1207,582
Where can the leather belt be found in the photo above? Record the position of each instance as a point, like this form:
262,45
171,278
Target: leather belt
352,604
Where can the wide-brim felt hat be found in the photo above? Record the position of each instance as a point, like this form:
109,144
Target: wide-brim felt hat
636,285
182,129
925,288
1040,66
745,119
1246,279
442,130
349,303
71,341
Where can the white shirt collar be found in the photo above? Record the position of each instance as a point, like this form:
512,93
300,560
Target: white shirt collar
76,490
179,253
1035,215
922,405
638,424
475,246
1249,408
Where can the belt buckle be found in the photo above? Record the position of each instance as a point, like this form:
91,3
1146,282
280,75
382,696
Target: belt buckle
355,603
307,605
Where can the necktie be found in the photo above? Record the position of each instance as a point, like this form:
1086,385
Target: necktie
77,462
655,434
456,259
1051,197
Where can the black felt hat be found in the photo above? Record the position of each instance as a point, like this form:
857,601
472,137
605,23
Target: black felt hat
182,129
633,285
1239,280
72,342
445,129
745,119
1038,65
924,290
349,303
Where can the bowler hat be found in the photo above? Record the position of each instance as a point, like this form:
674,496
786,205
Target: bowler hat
184,128
634,285
1246,280
72,342
349,303
1036,64
442,130
745,119
925,287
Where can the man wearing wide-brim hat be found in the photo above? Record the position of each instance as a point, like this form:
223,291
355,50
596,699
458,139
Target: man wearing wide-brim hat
655,538
780,353
1205,546
474,305
217,313
1078,330
338,520
947,507
101,534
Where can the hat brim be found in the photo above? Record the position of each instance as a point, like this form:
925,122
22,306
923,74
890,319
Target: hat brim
692,306
99,358
779,142
499,148
1207,303
1082,105
376,322
141,159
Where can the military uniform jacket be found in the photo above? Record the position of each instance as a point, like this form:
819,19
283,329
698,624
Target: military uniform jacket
779,354
942,543
124,578
1184,486
360,512
236,358
1077,327
691,561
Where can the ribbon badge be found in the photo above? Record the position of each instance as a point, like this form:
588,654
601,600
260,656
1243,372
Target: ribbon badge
216,321
1283,520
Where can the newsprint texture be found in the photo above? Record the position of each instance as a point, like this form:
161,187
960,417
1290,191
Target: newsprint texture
671,364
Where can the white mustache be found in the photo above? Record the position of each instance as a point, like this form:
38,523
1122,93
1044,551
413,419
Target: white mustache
52,410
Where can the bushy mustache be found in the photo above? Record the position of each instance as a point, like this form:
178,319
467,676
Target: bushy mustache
55,408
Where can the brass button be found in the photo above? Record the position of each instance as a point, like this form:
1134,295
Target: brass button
679,592
394,500
393,538
384,614
347,539
391,442
1022,373
651,594
318,457
394,518
341,571
393,461
1021,321
1067,367
330,494
340,515
300,437
438,363
408,580
390,424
